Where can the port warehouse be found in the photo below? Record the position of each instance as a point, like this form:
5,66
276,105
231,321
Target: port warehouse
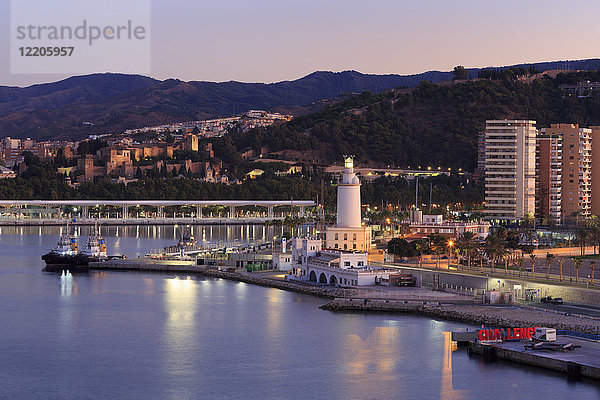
52,209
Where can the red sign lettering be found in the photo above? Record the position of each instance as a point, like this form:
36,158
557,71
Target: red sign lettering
506,334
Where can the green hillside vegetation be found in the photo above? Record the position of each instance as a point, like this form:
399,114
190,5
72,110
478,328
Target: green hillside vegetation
430,125
40,181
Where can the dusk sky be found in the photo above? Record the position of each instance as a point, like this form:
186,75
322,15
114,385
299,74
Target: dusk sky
268,41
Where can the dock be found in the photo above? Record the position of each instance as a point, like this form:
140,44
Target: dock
147,264
581,362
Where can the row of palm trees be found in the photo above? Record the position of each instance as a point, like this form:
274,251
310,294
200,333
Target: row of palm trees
589,234
494,248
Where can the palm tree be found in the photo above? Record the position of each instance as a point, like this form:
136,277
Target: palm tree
520,264
577,261
560,261
582,237
494,246
549,260
480,253
532,256
594,232
466,244
420,246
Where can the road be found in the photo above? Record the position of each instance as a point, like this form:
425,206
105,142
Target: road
569,272
570,308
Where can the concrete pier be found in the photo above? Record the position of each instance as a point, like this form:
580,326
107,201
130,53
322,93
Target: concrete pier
147,264
581,362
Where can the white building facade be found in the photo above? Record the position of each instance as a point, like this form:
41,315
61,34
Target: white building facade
510,147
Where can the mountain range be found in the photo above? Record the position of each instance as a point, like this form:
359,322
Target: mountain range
80,106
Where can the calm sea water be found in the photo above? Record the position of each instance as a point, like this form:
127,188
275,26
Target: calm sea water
120,335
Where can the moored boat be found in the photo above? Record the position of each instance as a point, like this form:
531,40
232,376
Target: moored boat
66,253
95,248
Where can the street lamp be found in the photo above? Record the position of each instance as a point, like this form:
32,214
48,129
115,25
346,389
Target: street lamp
450,244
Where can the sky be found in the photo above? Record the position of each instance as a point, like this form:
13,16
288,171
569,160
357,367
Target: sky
270,41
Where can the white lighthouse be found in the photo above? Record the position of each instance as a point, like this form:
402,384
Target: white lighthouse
348,200
349,232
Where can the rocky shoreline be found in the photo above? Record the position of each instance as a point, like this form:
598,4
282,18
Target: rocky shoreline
325,292
472,314
489,315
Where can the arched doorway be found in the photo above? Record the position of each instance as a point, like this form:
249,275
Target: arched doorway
312,276
322,278
333,281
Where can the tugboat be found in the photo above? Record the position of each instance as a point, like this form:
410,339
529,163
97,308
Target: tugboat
95,248
65,254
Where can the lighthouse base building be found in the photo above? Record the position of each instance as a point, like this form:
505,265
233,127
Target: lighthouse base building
344,259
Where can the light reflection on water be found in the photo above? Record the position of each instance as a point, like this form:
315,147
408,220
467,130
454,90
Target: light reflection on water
181,346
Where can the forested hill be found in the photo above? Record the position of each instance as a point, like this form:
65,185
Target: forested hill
430,125
80,106
110,103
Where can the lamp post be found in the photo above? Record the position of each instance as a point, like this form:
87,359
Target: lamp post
450,244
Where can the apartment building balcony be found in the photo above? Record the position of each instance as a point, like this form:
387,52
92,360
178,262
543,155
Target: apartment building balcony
500,193
503,206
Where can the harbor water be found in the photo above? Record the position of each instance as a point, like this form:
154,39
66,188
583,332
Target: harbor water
126,335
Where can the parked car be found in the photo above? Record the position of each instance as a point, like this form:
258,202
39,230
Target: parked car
547,299
557,300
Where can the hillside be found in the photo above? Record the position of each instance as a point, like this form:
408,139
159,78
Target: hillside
430,125
109,103
113,102
77,89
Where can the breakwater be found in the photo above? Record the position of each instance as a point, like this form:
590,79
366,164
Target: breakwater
500,316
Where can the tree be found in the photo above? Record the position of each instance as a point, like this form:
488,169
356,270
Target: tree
533,257
592,267
528,225
460,73
466,245
520,264
549,260
582,236
594,232
402,248
560,261
494,246
30,159
438,244
420,246
577,261
512,240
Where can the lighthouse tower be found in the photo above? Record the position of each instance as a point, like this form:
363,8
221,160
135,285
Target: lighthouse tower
348,200
349,232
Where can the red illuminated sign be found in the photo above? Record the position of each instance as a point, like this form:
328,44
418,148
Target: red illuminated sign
505,334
